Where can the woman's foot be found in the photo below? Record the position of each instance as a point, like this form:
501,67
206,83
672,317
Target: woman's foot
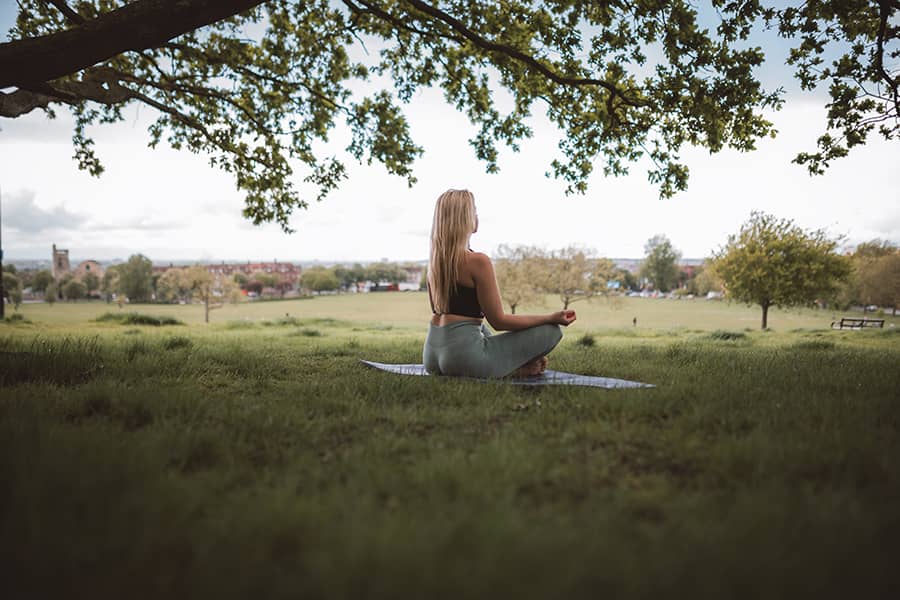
533,368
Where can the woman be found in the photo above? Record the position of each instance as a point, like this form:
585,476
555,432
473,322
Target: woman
463,290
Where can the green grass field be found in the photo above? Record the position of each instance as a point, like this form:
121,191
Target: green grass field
255,457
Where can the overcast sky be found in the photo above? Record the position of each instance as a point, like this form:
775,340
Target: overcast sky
171,205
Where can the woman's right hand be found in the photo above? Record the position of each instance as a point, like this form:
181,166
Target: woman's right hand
563,317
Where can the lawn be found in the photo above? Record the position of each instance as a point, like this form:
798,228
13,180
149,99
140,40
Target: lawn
255,457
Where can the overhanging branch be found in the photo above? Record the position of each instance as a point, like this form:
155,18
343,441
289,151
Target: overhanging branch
140,25
520,56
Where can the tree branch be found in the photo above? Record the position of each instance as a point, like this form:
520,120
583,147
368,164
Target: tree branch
485,44
139,25
884,15
73,17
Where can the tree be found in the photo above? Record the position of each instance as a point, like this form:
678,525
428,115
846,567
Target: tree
50,294
41,280
385,271
270,280
12,287
660,266
571,275
772,262
519,272
173,286
136,278
705,280
211,292
91,282
860,286
880,281
320,279
110,284
74,290
256,84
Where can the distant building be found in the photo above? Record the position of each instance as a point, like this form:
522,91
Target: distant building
60,264
89,266
288,272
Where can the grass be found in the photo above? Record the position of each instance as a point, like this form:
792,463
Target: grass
258,460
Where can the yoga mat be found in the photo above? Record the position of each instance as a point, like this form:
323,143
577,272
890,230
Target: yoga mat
549,377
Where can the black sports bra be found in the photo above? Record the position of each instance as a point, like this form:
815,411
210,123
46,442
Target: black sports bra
463,302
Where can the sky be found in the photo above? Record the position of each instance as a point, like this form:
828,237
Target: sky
171,205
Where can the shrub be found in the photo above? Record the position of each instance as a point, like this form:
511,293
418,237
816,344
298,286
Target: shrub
16,318
730,336
134,318
179,341
282,321
587,340
308,332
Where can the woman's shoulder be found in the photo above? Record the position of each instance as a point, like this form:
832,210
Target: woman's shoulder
477,259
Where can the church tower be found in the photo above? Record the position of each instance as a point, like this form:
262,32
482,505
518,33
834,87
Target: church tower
60,263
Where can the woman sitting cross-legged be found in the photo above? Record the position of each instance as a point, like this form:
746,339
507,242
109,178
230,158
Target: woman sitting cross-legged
463,290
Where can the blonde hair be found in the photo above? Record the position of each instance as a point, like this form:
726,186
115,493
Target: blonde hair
454,222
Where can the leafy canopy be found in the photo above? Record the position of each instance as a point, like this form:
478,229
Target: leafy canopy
772,262
258,85
660,263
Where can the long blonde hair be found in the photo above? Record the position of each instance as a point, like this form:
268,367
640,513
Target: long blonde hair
454,222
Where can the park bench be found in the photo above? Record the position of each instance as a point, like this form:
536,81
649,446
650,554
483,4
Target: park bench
856,323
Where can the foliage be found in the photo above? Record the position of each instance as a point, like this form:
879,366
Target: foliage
320,279
860,38
705,280
135,278
660,265
211,291
41,280
173,286
51,293
772,262
12,288
381,272
880,281
91,282
110,283
520,274
571,275
729,336
74,290
257,91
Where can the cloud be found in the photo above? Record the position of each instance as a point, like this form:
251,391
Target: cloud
888,225
135,224
20,212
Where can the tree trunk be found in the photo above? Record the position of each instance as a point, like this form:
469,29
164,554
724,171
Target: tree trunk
765,315
512,307
206,304
135,26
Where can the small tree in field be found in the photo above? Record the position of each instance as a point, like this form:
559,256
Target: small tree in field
210,292
571,275
772,262
518,272
51,294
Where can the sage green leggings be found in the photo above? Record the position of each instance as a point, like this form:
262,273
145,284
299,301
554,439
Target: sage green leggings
469,349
